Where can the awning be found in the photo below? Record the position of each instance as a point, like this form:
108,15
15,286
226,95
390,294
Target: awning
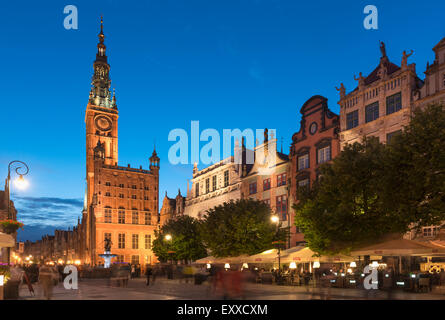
211,259
307,255
6,240
268,256
400,247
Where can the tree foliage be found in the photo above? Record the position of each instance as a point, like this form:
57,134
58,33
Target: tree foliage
186,240
239,227
371,190
417,161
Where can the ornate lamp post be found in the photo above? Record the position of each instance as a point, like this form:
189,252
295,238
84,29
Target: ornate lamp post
21,170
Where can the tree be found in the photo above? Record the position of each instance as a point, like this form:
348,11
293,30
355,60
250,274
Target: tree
372,190
417,159
345,206
239,227
185,240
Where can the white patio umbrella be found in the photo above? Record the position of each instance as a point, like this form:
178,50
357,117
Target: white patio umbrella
307,255
399,247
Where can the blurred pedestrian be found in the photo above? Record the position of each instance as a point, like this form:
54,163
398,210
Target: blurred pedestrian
148,273
46,280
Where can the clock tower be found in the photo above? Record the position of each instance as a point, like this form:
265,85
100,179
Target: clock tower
121,203
101,116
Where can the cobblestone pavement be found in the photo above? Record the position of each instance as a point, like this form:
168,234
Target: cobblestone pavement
163,289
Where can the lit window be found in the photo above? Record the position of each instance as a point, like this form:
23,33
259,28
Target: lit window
107,217
266,184
148,241
121,241
135,241
303,162
226,178
121,216
324,154
282,207
148,218
135,259
281,180
213,183
207,185
135,217
252,188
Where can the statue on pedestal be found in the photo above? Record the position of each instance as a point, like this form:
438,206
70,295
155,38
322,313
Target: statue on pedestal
342,90
383,49
405,58
107,244
361,80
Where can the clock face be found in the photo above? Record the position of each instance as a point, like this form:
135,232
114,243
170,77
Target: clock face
103,123
313,128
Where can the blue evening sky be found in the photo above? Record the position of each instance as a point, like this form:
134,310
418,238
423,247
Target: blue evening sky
227,63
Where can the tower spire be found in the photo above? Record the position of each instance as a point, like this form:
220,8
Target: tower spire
101,95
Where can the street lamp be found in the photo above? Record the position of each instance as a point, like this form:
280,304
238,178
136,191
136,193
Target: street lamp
21,169
168,238
275,219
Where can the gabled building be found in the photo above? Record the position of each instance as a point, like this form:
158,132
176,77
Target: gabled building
316,143
266,179
171,208
433,89
381,104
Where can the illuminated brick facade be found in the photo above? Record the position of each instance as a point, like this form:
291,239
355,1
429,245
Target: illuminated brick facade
316,142
121,202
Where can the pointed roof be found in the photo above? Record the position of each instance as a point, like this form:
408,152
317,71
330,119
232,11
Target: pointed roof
374,75
440,44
